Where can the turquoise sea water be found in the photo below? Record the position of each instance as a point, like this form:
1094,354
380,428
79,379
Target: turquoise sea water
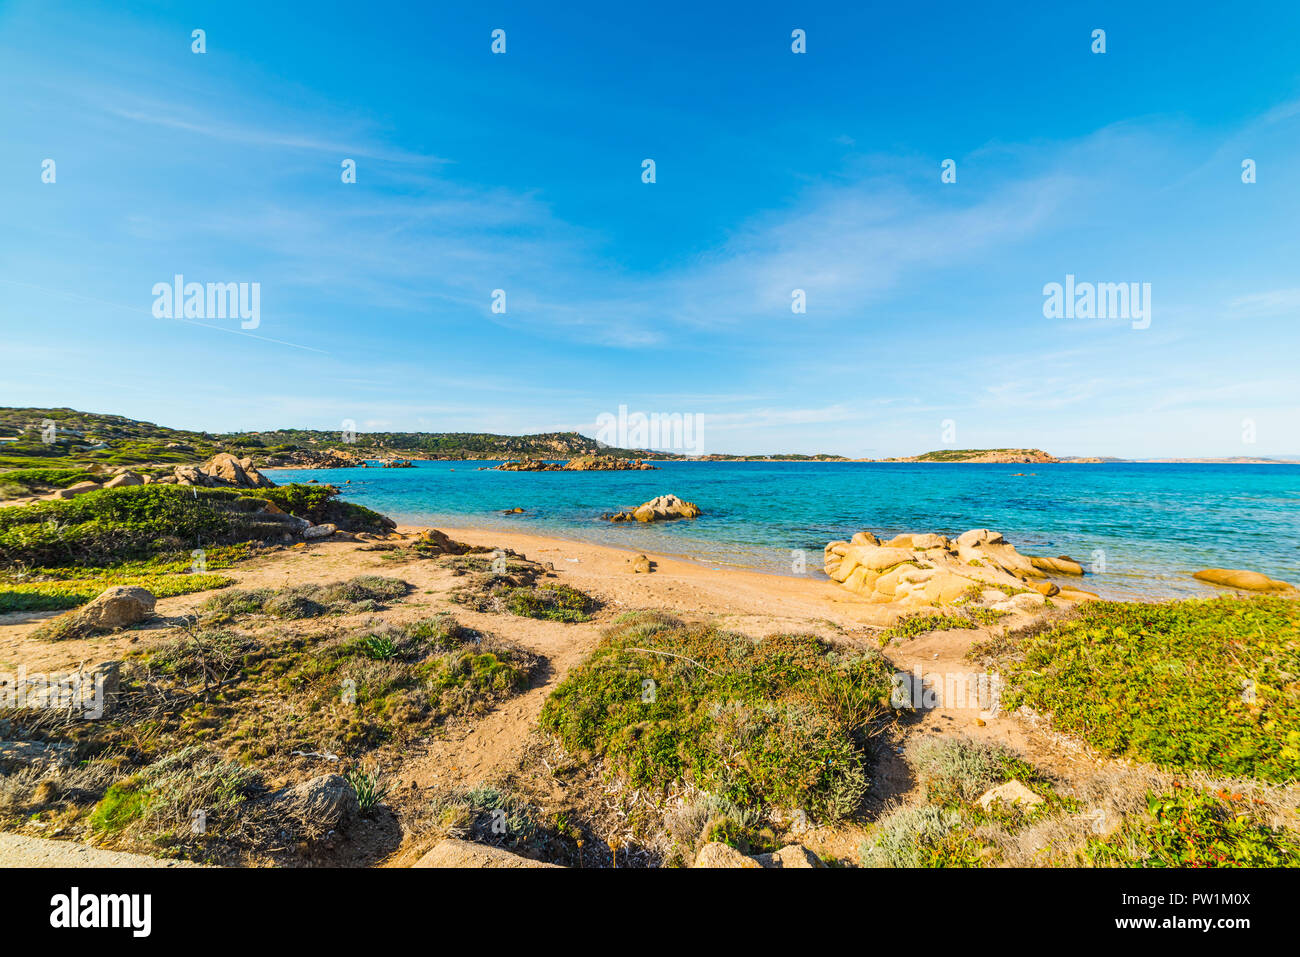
1143,529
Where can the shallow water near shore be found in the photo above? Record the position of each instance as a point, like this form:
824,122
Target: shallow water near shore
1141,529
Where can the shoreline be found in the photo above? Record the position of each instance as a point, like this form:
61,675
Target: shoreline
1083,460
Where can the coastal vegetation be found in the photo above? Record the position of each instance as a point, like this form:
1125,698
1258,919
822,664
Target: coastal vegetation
952,827
781,722
283,706
143,522
206,719
1202,684
513,585
1190,827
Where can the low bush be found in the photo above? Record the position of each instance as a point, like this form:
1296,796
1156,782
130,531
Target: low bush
360,594
782,721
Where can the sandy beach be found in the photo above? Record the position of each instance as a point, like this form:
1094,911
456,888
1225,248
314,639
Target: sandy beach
504,744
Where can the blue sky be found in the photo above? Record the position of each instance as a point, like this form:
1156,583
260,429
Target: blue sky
775,171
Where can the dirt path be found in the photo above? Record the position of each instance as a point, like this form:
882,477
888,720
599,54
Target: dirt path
19,851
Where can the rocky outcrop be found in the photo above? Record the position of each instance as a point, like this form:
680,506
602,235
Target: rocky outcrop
124,480
665,507
431,540
582,463
72,491
223,470
607,463
318,459
453,853
1061,565
979,567
16,755
117,607
528,465
90,692
1242,579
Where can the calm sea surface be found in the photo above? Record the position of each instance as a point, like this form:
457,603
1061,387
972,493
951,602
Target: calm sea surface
1142,529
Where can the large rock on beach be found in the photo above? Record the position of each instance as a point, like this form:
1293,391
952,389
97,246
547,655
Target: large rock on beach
979,567
223,470
1057,566
117,607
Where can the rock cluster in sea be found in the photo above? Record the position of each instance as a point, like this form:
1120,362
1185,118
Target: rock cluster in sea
657,510
582,463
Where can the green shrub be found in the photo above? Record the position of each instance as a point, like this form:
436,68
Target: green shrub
1189,827
26,481
553,602
921,836
781,721
122,805
363,593
1205,684
910,626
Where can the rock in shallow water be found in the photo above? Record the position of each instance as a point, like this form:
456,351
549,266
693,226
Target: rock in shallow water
1240,578
658,509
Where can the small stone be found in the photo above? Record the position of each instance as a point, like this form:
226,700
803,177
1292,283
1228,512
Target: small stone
792,855
716,854
1012,792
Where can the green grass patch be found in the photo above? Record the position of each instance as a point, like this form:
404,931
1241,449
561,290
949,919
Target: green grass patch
951,829
783,721
349,693
910,626
61,595
1200,684
122,805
